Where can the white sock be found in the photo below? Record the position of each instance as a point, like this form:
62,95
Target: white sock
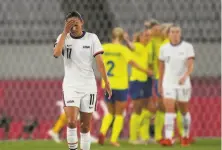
186,124
169,125
72,138
85,141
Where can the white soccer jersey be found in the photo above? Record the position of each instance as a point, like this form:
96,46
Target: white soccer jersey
175,58
78,54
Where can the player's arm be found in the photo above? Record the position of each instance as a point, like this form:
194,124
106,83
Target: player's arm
189,65
59,45
101,68
161,71
135,65
129,58
61,39
129,44
97,51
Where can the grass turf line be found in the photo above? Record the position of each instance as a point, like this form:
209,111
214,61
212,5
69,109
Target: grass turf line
201,144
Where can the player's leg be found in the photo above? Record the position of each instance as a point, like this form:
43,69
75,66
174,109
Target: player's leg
120,105
87,107
179,120
148,110
160,114
135,119
107,119
71,108
72,138
183,104
60,123
169,100
85,123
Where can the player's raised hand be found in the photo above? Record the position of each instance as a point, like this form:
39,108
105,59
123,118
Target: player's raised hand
108,90
68,25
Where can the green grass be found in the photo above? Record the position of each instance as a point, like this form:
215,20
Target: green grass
201,144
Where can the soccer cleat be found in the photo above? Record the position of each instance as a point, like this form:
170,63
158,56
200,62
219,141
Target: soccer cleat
166,142
54,136
116,144
101,139
160,141
185,142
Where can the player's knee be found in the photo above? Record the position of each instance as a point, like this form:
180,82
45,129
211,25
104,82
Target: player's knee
72,123
85,127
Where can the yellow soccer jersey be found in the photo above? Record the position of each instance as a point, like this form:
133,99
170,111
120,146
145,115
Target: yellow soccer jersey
166,41
140,56
149,48
116,58
157,41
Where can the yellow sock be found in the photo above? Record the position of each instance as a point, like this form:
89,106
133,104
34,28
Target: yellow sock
134,126
117,128
180,123
107,120
60,123
145,124
159,124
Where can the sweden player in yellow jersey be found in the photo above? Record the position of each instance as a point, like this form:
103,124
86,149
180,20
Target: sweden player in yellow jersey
138,80
155,43
116,58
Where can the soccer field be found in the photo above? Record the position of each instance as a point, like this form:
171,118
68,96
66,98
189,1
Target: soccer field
201,144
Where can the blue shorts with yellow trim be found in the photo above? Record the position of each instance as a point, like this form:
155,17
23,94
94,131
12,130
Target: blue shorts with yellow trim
148,88
136,89
117,95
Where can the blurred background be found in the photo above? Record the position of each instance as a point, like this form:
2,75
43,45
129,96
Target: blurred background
30,77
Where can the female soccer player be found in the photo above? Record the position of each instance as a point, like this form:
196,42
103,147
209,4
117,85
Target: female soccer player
117,57
79,48
138,89
175,65
154,47
165,33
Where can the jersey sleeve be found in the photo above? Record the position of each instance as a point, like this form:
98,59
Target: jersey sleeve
161,54
97,47
190,52
127,54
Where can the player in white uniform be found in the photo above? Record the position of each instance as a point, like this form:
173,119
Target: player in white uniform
176,65
79,85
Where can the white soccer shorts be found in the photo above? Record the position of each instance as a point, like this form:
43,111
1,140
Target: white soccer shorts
182,95
86,102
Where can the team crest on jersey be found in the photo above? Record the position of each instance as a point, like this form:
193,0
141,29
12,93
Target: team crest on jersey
86,46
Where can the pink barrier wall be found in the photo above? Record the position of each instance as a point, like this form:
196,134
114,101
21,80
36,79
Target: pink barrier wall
38,98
